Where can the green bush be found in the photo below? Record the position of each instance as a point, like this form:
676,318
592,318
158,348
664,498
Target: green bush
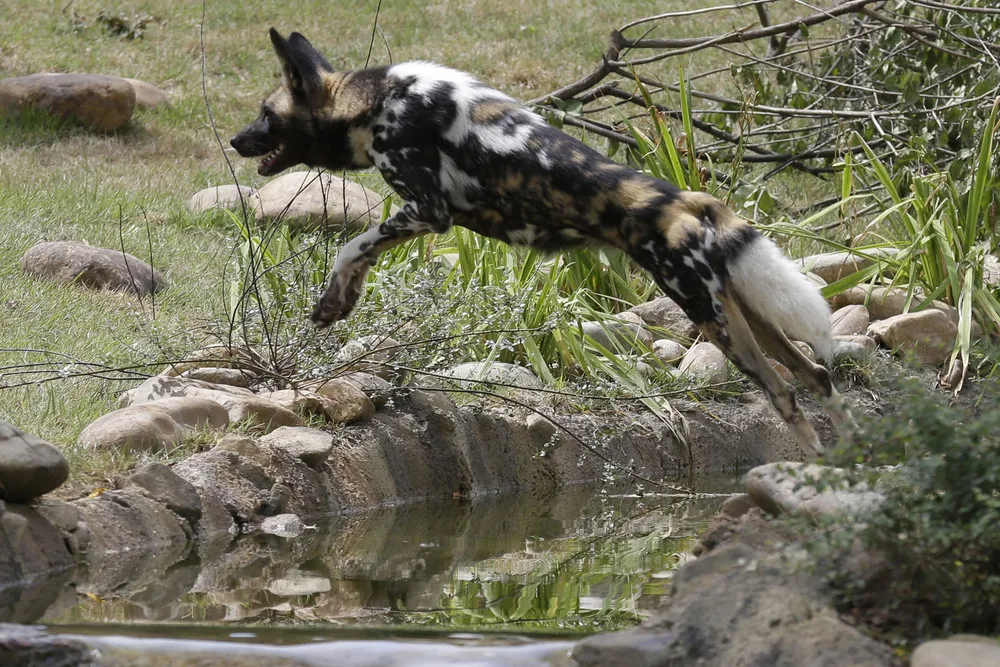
939,528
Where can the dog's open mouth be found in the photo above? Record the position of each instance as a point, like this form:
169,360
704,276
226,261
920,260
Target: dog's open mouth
270,161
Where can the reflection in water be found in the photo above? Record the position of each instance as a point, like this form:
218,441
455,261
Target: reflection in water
578,559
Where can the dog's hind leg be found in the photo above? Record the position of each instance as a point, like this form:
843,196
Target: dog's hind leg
731,333
354,259
815,377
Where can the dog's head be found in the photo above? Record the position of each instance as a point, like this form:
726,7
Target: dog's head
285,133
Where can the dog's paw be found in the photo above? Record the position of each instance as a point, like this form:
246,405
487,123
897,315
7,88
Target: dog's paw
339,299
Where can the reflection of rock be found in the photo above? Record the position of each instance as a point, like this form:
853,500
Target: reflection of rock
32,552
33,645
297,582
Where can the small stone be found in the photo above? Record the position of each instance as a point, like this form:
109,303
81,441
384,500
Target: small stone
668,351
854,348
283,525
344,402
832,266
164,486
616,336
310,445
148,96
956,652
153,426
738,505
102,103
29,466
706,362
629,317
309,199
663,312
69,262
849,321
231,197
928,335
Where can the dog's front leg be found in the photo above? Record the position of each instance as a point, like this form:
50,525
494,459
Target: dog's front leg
354,259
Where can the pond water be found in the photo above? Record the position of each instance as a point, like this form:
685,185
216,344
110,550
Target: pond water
490,571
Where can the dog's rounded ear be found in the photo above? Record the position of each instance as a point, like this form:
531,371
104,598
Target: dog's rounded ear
302,66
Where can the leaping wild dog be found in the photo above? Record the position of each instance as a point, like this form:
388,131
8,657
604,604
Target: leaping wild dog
461,153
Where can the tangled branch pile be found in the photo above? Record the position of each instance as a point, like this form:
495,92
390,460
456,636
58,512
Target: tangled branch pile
910,77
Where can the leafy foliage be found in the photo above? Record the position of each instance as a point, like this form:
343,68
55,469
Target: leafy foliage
939,528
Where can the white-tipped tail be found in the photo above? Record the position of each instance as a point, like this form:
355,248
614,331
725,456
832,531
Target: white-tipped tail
773,287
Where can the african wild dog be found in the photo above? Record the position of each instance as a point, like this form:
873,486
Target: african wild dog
460,153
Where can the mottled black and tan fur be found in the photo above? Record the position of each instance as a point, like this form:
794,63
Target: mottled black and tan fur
460,153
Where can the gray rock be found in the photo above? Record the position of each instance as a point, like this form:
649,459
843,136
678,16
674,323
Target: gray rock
929,335
849,321
959,651
308,199
832,266
616,336
668,351
69,262
102,103
165,486
310,445
794,488
233,377
499,372
222,196
706,362
148,96
664,312
29,466
154,426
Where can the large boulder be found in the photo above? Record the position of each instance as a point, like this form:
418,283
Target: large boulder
957,651
98,102
309,199
100,268
496,372
154,426
148,96
663,312
617,335
849,321
310,445
29,466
